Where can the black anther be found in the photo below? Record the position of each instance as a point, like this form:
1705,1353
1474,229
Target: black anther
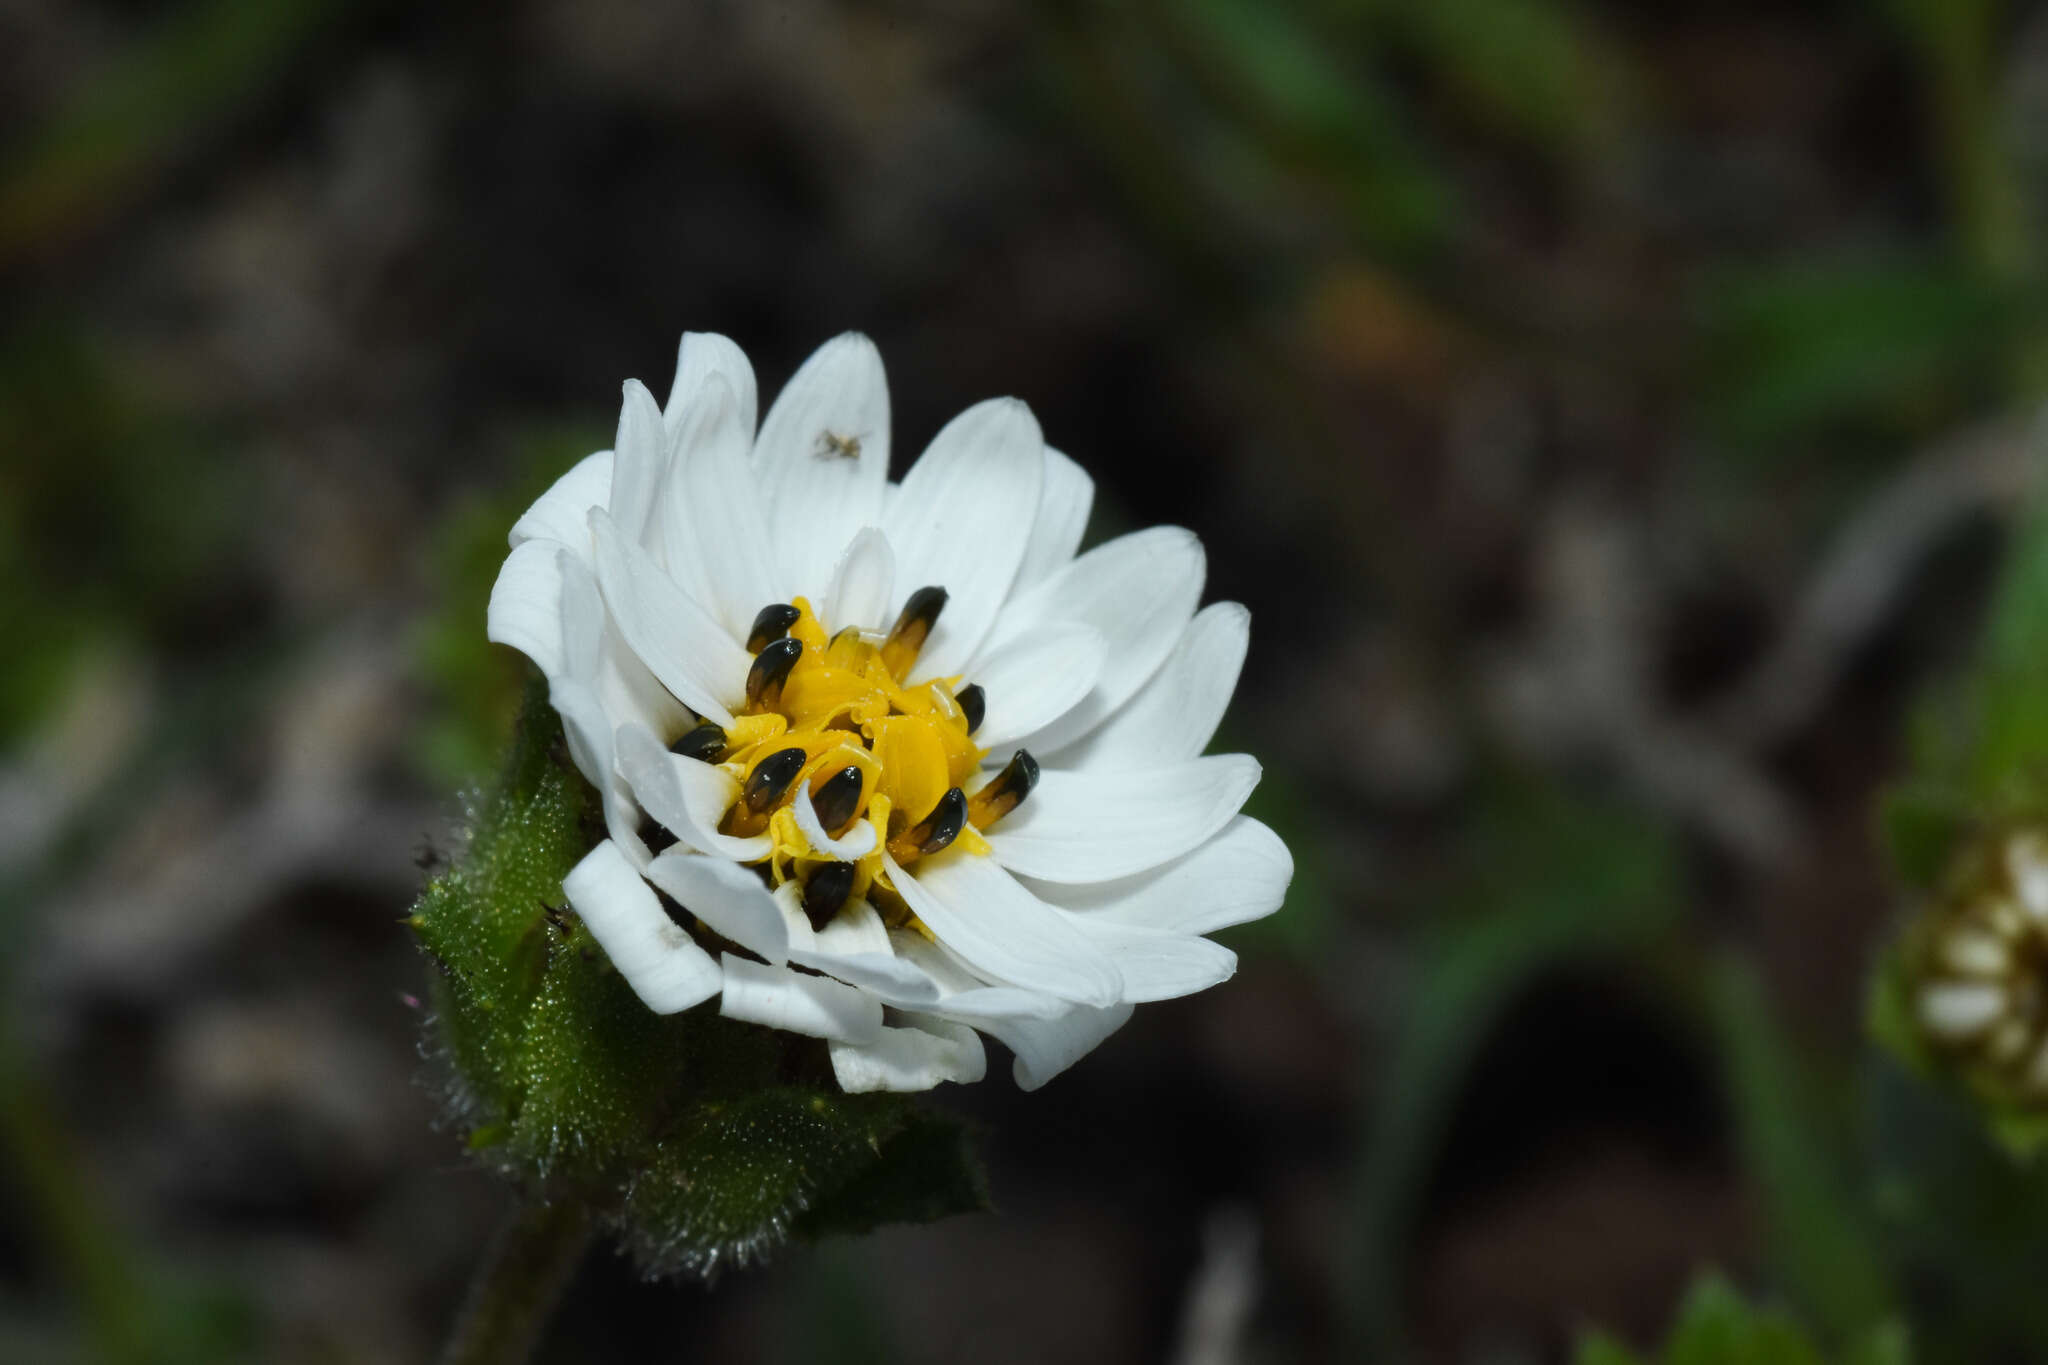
771,671
705,743
973,705
837,797
772,622
771,778
943,825
825,892
1007,791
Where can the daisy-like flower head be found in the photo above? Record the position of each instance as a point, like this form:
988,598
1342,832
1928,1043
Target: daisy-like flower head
885,763
1981,966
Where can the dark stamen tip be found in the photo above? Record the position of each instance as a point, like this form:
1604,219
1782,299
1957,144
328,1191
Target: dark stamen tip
771,670
1007,790
705,743
825,892
973,705
943,825
771,778
772,622
837,797
913,624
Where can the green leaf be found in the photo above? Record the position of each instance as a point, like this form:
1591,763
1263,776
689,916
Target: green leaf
1820,1235
1601,1349
925,1173
1922,824
1810,344
1559,879
484,920
1717,1326
734,1177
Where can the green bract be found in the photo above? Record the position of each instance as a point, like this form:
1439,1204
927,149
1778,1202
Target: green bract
701,1141
1718,1327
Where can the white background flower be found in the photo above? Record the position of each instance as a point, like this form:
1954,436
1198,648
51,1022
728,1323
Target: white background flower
633,584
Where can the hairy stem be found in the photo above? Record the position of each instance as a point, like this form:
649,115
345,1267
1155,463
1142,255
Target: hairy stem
514,1292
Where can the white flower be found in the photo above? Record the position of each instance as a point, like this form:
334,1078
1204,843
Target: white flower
823,691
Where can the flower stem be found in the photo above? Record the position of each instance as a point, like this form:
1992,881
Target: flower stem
524,1272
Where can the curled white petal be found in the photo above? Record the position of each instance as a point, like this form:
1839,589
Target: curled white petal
726,896
917,1057
686,796
859,840
1173,716
662,964
562,514
797,1002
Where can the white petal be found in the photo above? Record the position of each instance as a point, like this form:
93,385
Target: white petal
2026,862
701,356
660,962
797,1002
1034,680
1064,502
860,837
726,896
1091,827
1139,590
1157,964
1958,1010
910,1059
639,460
717,534
961,520
674,636
817,497
585,727
980,912
526,605
1175,714
863,585
1046,1047
855,931
687,797
1241,874
563,512
857,948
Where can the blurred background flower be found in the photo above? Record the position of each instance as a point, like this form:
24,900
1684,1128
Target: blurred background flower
1612,416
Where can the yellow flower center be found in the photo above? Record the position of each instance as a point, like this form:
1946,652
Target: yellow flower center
829,715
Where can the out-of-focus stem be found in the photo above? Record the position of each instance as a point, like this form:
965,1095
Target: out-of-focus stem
522,1275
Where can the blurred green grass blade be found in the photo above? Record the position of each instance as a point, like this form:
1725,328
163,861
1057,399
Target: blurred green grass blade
204,60
1797,347
2010,748
1559,880
1542,69
1795,1149
1314,112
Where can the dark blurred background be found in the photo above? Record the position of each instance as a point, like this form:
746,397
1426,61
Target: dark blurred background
1612,415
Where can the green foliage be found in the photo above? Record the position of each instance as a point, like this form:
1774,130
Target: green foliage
1795,1145
705,1142
1717,1326
475,685
1808,347
1563,881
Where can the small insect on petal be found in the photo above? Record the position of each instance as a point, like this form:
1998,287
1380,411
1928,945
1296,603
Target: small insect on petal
772,622
826,891
771,671
973,705
913,625
940,828
705,743
837,797
771,778
1007,792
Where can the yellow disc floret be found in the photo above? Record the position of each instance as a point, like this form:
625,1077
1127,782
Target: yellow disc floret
837,710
